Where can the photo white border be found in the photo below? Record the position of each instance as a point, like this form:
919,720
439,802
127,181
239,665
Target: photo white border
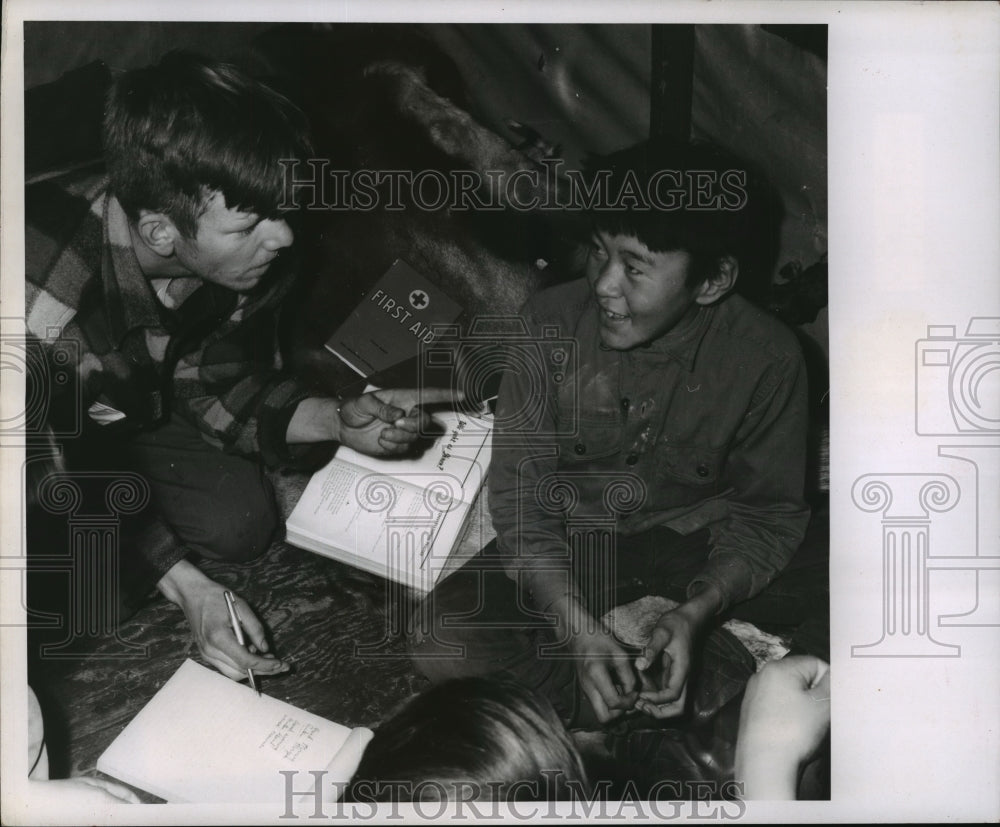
914,194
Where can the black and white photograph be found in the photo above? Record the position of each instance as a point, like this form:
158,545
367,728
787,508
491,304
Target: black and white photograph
528,413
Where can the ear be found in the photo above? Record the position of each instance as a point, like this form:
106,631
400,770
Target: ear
721,282
157,232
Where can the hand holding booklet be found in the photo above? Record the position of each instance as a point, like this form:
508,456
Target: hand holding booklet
206,739
399,518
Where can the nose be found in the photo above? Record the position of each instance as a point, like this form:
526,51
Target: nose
277,234
608,282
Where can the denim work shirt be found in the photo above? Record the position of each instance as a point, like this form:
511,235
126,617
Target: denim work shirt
703,427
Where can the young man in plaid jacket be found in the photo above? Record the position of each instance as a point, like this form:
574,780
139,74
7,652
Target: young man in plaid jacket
167,276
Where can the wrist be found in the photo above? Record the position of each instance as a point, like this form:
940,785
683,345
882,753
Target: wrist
316,419
573,621
179,580
703,605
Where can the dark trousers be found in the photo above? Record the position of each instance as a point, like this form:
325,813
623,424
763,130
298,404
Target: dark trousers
480,621
217,506
221,506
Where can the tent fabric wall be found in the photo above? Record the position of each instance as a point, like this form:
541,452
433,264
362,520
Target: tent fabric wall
582,88
585,89
765,98
52,48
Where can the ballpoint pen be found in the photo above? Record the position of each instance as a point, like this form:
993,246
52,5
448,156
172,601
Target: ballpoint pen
234,618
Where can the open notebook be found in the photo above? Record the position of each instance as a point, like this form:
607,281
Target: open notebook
206,739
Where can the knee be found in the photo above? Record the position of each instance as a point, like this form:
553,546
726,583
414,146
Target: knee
445,641
241,528
439,659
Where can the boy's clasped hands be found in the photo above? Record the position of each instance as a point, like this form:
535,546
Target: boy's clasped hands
655,683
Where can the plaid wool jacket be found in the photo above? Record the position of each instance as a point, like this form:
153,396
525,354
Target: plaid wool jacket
214,361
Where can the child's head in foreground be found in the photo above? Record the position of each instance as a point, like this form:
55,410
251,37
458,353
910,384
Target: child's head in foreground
680,224
470,739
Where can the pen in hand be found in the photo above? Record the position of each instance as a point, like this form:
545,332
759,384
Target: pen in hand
234,618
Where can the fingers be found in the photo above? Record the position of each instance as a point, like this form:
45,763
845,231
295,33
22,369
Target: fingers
626,678
680,657
805,671
436,396
396,409
672,676
609,682
221,647
816,670
597,702
394,436
406,399
252,627
662,710
603,694
363,409
668,701
232,660
615,695
411,426
390,403
674,654
657,641
116,791
85,793
820,690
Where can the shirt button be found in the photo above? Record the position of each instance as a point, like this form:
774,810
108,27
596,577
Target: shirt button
701,470
625,404
580,448
631,459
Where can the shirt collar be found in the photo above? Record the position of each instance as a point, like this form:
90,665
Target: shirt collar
683,344
680,345
130,297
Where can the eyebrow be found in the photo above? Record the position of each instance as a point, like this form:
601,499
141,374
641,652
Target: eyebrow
638,256
247,220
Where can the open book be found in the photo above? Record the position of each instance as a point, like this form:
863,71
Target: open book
397,518
206,739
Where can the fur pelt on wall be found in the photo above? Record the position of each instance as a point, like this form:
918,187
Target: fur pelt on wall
373,107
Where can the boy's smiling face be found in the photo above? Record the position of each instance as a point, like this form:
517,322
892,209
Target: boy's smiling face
640,295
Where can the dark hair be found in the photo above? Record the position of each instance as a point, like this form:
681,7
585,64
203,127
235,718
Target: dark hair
693,197
186,127
490,736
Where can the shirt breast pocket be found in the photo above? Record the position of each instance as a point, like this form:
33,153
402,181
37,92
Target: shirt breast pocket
694,466
595,439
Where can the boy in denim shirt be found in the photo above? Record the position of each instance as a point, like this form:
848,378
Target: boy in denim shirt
665,456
